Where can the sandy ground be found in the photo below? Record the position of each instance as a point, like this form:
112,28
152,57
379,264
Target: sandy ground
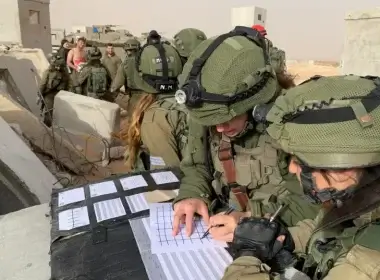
303,71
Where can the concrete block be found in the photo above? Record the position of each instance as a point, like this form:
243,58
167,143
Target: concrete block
25,243
81,115
18,157
361,52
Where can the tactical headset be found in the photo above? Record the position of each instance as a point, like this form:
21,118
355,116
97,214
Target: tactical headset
193,95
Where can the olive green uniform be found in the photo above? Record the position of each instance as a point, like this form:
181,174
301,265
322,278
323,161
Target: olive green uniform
260,170
127,100
342,242
163,127
164,133
112,63
53,81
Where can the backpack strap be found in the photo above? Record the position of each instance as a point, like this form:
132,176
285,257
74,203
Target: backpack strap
226,157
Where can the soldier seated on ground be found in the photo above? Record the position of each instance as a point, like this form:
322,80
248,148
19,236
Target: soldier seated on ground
94,80
54,79
339,168
157,121
230,160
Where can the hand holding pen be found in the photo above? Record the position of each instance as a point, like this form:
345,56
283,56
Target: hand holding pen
229,211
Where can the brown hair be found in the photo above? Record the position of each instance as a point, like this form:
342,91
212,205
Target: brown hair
285,80
109,45
130,133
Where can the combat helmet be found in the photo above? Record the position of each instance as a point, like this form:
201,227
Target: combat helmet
132,44
186,40
157,65
330,122
94,53
226,77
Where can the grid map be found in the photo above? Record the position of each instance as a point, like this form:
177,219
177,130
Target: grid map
161,222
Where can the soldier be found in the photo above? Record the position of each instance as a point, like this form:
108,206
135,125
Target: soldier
126,100
186,40
230,159
54,79
338,168
157,122
94,76
131,47
111,61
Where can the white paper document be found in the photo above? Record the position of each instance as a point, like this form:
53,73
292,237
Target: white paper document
161,226
102,188
109,209
159,161
133,182
70,196
73,218
165,177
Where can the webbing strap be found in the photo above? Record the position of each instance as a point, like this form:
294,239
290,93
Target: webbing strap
226,158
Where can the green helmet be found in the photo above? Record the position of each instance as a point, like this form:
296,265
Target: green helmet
158,66
94,53
330,122
132,44
187,40
227,76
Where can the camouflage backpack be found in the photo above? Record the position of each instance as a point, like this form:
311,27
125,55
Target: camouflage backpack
278,59
97,81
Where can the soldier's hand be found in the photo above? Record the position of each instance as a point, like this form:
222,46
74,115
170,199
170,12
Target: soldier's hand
184,211
223,226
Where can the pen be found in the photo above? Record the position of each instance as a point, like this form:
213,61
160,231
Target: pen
271,219
229,211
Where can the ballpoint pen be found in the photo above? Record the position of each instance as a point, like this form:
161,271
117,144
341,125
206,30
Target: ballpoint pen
229,211
271,219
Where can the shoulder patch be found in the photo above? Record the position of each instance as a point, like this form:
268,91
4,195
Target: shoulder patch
369,237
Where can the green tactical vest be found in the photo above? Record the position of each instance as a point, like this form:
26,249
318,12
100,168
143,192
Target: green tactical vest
257,169
327,245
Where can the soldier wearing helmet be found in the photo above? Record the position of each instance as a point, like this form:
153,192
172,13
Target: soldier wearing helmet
230,160
330,126
131,47
157,121
186,40
126,100
94,79
54,79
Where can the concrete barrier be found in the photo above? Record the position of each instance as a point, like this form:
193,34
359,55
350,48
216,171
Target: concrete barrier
361,52
22,69
82,115
30,174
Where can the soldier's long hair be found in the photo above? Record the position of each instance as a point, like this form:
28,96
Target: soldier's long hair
131,131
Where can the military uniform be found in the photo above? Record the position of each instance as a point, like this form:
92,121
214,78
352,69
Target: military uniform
53,80
247,169
94,79
131,95
342,242
163,127
112,64
186,40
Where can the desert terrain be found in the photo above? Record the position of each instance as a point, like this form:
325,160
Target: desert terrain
305,70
